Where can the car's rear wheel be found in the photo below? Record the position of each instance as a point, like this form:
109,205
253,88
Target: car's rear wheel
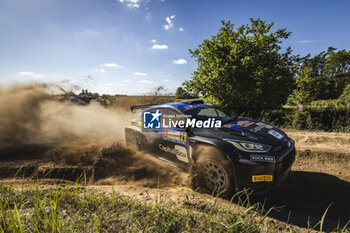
212,172
136,140
134,143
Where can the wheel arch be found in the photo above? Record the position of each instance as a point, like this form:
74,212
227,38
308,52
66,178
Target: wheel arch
132,131
199,142
220,146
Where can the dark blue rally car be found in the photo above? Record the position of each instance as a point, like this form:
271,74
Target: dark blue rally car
223,153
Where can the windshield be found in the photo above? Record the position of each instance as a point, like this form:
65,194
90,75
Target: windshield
204,112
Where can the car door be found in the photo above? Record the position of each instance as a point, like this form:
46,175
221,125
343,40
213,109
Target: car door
173,143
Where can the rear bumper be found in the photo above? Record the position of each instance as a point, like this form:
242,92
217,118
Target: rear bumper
246,169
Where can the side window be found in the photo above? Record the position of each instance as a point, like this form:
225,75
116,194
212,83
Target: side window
221,113
208,112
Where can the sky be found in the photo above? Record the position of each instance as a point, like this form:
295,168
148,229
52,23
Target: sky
133,46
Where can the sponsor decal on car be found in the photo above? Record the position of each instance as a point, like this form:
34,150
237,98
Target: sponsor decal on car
262,178
245,123
260,126
175,136
179,151
275,134
189,107
239,124
182,156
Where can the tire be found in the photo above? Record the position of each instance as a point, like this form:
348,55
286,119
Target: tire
212,173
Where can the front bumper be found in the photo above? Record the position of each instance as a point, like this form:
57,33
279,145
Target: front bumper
245,170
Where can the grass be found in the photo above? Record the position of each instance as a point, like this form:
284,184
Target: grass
125,102
78,209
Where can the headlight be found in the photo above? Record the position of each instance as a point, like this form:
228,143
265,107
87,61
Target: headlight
250,146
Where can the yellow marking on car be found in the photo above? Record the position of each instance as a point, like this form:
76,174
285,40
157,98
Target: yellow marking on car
261,178
183,136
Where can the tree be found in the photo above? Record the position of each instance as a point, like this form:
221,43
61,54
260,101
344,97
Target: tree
244,68
337,73
322,77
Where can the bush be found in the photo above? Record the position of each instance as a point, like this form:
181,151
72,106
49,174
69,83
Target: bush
345,96
330,118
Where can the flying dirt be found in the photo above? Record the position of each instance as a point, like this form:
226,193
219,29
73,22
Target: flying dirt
71,138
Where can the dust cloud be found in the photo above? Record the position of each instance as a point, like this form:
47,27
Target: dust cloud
33,120
30,114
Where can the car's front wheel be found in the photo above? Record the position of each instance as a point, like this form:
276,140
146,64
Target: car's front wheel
212,172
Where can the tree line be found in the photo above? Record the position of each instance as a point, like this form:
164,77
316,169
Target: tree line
245,69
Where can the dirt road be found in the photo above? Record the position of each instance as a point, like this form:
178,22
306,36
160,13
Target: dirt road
320,177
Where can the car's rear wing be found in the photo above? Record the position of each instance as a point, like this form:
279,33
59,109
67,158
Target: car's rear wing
137,108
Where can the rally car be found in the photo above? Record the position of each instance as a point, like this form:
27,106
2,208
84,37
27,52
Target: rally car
227,157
